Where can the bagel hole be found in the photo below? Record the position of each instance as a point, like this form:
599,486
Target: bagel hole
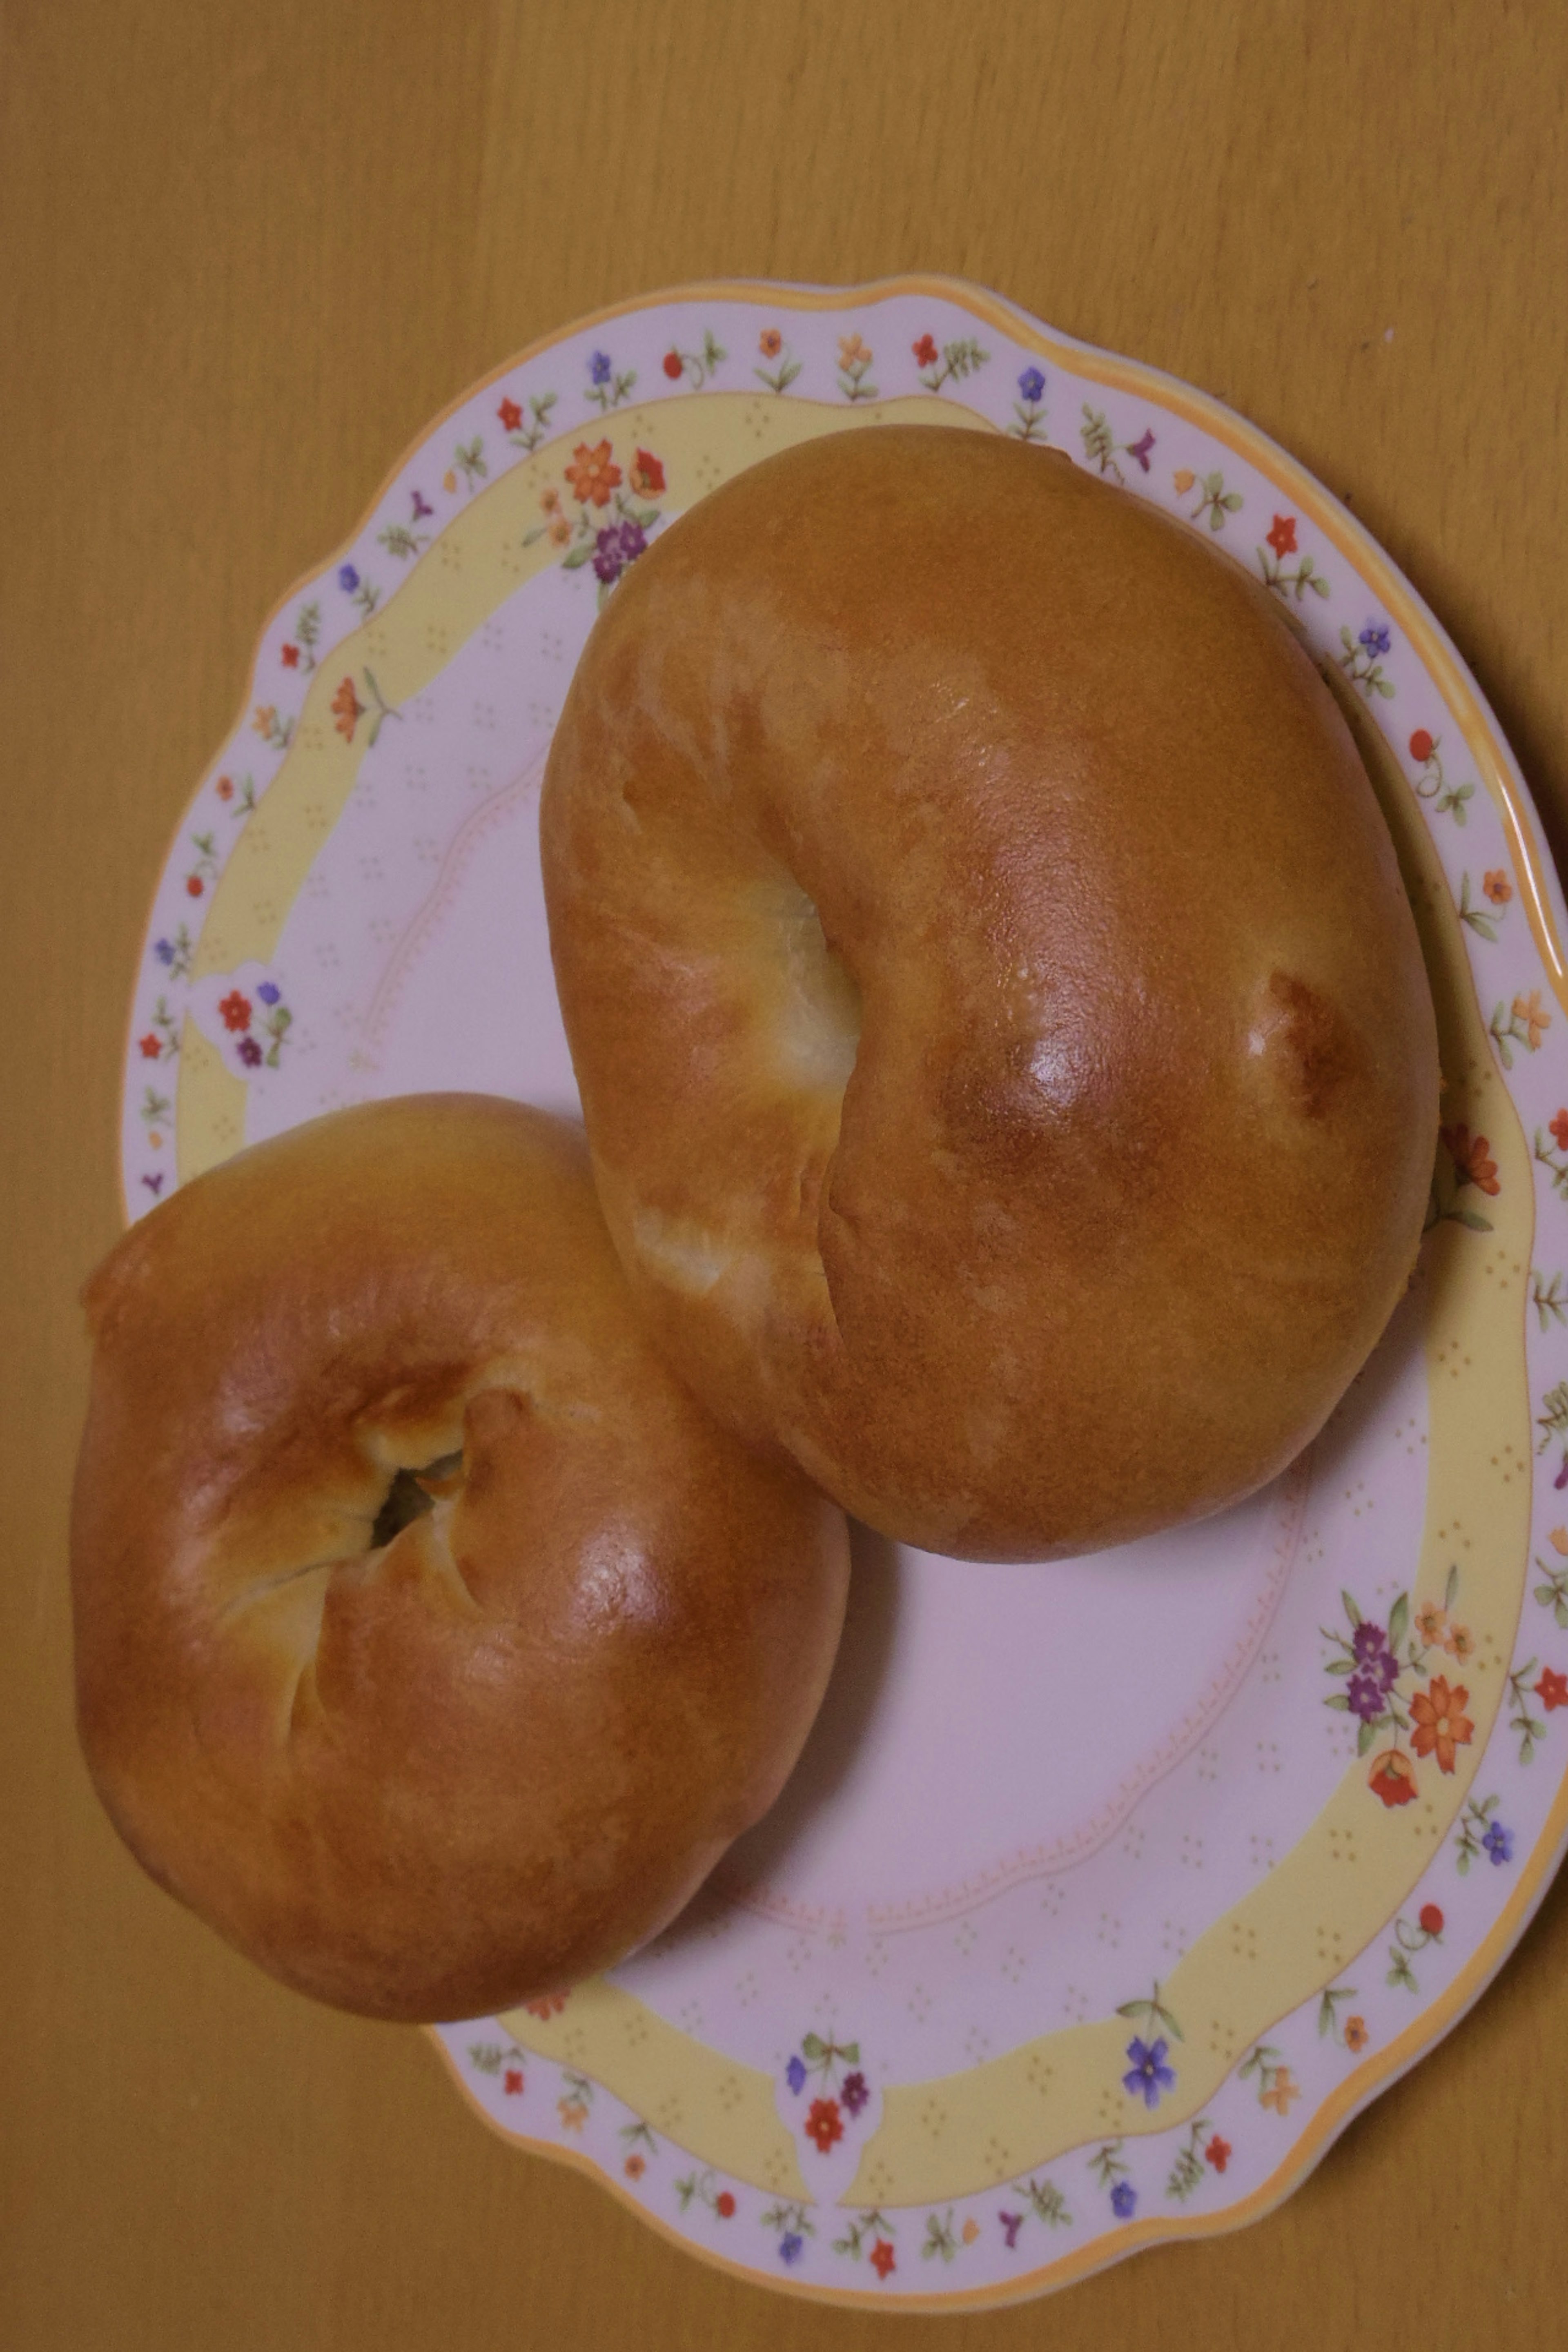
411,1495
820,1007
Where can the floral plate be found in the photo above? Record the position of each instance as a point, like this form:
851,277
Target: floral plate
1104,1896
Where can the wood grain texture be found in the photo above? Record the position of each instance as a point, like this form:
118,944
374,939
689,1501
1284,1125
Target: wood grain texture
247,253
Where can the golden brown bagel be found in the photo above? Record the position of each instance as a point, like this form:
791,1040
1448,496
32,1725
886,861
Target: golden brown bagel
429,1776
1004,1048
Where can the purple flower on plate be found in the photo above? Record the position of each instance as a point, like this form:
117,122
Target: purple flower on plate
618,544
164,949
348,579
249,1053
599,367
1375,637
1124,2200
268,993
422,506
1031,384
1364,1693
794,2075
1369,1646
154,1184
1140,449
1498,1844
856,2094
1148,2072
1011,2225
792,2245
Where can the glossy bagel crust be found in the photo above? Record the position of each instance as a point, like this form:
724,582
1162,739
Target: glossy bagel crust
1002,1038
484,1759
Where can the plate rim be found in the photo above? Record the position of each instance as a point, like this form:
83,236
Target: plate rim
1545,908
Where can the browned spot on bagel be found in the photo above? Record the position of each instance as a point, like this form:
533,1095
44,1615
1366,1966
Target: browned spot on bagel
1307,1042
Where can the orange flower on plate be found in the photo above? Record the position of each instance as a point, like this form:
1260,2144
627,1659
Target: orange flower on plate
1473,1162
591,474
1183,478
770,343
635,2167
1356,2034
573,2112
548,2005
347,710
1498,886
1441,1724
1459,1643
560,532
852,352
1431,1624
1280,2092
1393,1778
1534,1015
550,499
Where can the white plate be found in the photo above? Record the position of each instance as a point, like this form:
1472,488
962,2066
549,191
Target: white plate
1083,1922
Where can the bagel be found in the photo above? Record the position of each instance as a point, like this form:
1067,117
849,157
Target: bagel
1004,1043
425,1765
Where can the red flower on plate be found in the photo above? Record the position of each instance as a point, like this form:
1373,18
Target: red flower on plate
646,476
194,886
824,2125
1217,2153
1551,1690
883,2258
1422,746
674,365
234,1010
512,2081
1281,535
1393,1778
925,351
151,1047
1431,1919
511,416
290,656
224,788
723,2205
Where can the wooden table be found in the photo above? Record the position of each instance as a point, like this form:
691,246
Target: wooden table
249,252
